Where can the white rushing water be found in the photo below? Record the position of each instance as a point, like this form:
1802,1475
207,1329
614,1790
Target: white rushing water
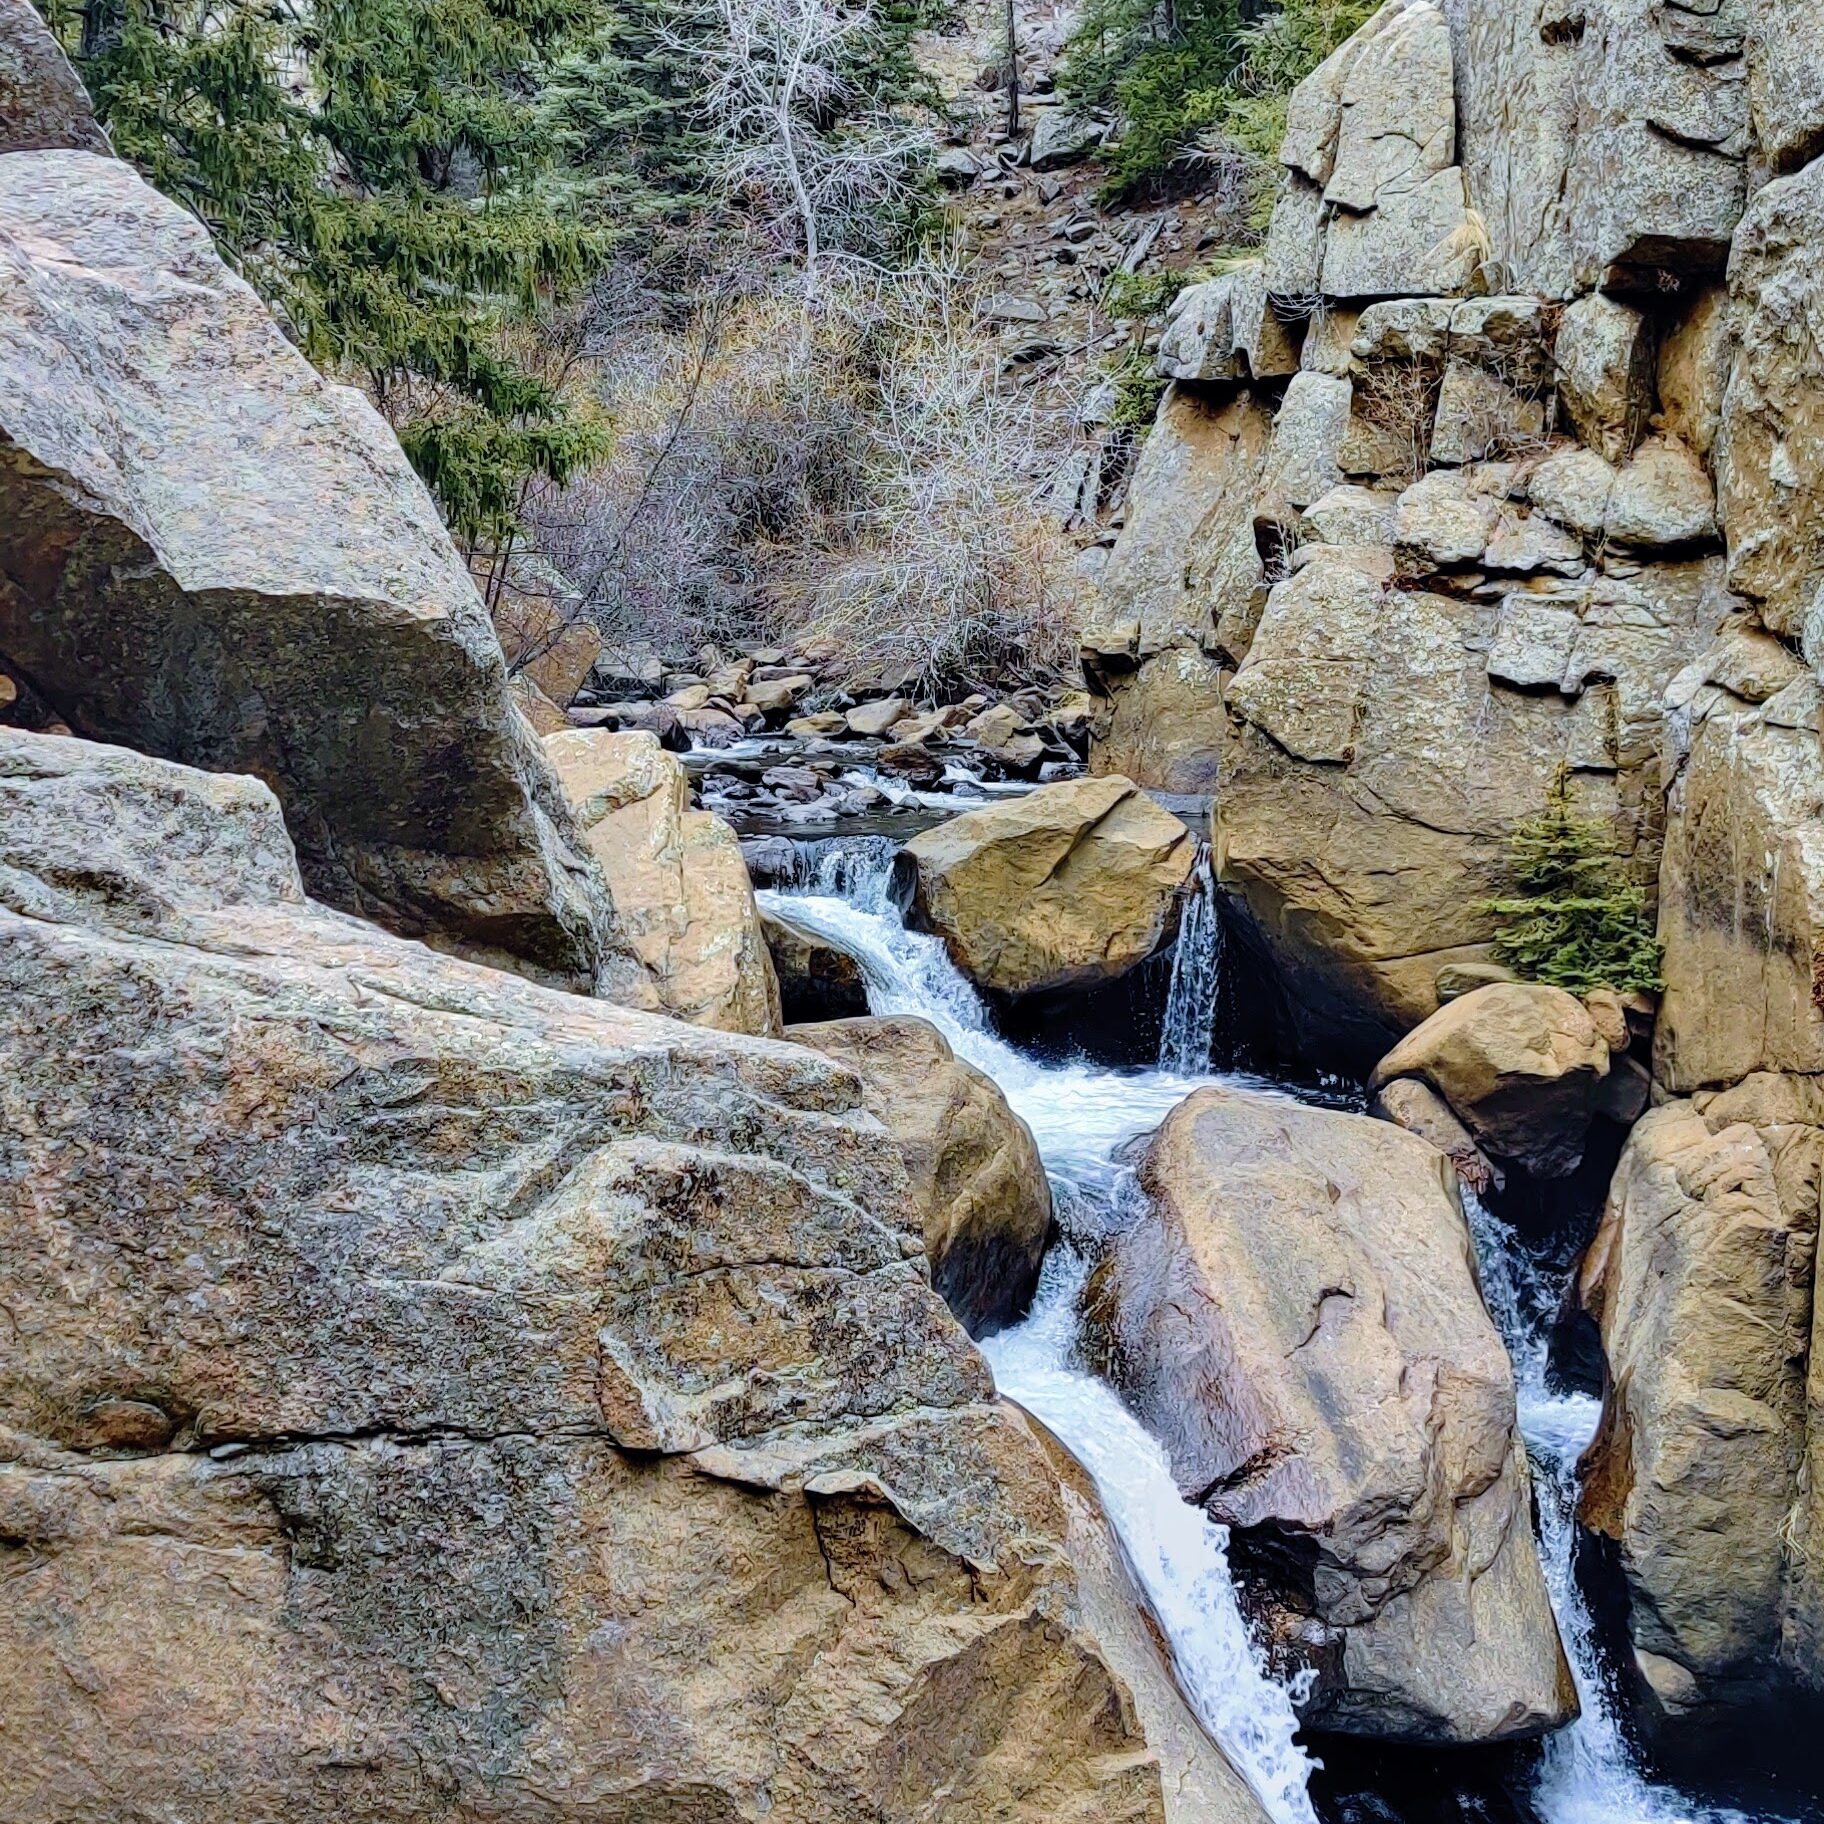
1081,1116
1588,1773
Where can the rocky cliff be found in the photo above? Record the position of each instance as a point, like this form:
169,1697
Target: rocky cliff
1506,457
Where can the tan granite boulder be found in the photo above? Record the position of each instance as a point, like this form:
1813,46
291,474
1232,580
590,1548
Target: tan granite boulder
1520,1064
481,1400
1068,886
977,1179
1296,1317
1697,1278
682,897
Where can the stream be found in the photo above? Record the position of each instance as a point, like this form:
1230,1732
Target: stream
1081,1116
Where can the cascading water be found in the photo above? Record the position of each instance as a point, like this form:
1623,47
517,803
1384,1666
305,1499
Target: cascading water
1081,1117
1190,1003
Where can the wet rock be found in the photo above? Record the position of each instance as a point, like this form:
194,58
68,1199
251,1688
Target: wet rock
977,1180
816,980
588,1431
1519,1063
877,717
1070,885
217,556
681,889
1296,1317
1418,1108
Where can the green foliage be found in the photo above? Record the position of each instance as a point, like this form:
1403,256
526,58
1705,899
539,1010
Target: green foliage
1576,920
1143,294
1183,72
1138,389
374,167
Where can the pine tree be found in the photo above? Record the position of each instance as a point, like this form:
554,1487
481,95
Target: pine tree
374,168
1575,920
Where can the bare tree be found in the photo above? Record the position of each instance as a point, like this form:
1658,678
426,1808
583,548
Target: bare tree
799,139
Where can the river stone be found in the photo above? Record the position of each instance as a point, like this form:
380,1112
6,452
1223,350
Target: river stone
1418,1108
537,1409
42,101
977,1180
682,895
1068,886
1770,451
1697,1278
1296,1317
210,553
1519,1064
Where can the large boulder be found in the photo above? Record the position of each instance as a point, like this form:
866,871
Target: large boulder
210,553
1066,887
1521,1065
817,981
1296,1317
682,898
1697,1278
977,1179
478,1400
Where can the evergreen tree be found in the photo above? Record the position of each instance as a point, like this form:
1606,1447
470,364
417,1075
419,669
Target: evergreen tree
1180,72
374,168
1575,919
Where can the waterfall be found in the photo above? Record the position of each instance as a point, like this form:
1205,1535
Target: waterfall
1588,1773
1190,1003
1081,1117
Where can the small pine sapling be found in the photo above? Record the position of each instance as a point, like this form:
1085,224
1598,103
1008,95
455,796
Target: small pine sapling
1575,919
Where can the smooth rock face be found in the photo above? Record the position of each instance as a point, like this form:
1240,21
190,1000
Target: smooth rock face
1519,1064
590,1444
1382,743
1697,1279
209,553
42,102
682,897
1166,580
977,1180
1296,1317
1068,886
1770,450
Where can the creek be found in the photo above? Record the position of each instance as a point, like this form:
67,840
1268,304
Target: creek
1082,1118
